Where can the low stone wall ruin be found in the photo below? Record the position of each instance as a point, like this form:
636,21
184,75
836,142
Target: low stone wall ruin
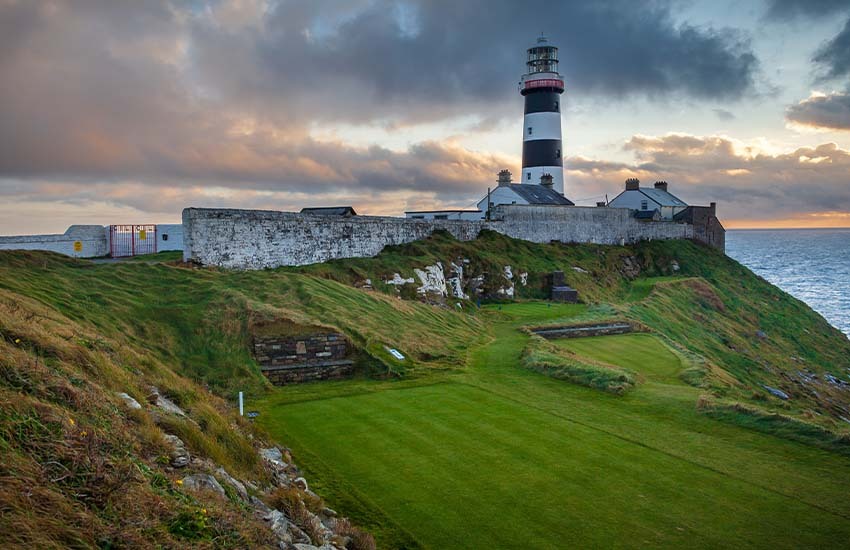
288,359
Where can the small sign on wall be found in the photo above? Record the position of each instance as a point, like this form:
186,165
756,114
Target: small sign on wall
143,235
78,246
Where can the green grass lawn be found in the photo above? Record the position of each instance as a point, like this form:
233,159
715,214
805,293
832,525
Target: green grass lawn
502,457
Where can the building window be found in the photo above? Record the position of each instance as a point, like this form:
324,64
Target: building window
556,106
165,236
443,216
528,176
557,153
418,217
644,205
529,130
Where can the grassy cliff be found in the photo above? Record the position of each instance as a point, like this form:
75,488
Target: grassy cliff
83,470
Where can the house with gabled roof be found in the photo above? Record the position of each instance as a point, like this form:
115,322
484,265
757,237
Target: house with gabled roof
647,199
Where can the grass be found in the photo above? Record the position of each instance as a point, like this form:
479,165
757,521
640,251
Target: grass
457,446
500,456
551,360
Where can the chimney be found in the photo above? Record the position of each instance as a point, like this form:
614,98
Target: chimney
632,184
547,181
504,177
661,185
712,209
600,204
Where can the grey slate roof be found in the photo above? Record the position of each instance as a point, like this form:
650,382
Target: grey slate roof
537,194
330,211
646,214
664,198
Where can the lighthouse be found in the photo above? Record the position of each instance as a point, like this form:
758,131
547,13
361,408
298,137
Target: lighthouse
542,86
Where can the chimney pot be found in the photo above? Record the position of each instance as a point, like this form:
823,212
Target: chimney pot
632,184
712,208
547,181
661,185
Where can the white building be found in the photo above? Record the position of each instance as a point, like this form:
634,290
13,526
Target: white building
648,199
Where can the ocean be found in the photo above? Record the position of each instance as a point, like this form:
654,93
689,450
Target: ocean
812,265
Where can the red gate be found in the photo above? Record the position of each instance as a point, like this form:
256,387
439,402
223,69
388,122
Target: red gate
131,240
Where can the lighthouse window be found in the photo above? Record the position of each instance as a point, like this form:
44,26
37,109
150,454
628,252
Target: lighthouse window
528,176
529,130
557,153
556,106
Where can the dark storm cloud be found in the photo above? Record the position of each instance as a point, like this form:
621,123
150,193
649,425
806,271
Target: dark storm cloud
791,9
828,112
834,56
179,94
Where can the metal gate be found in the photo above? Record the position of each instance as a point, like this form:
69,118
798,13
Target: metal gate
132,240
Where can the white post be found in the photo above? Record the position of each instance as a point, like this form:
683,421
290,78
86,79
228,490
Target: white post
241,408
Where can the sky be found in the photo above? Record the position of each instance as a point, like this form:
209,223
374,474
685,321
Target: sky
128,112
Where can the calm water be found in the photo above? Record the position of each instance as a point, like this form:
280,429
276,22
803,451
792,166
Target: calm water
810,264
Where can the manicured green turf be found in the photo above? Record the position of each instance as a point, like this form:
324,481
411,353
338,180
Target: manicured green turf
502,457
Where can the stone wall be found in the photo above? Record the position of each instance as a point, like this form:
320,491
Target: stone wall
581,224
310,349
257,239
292,359
582,331
93,242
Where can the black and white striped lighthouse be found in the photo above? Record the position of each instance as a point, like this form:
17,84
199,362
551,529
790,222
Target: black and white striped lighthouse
542,87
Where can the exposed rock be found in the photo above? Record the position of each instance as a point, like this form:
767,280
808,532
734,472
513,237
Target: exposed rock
578,269
300,546
674,265
279,525
778,393
761,334
455,282
508,273
301,483
523,278
233,482
433,280
155,398
129,401
630,268
203,482
398,280
179,455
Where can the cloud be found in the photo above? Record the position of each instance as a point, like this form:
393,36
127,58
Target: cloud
178,97
834,56
792,9
746,182
829,112
724,115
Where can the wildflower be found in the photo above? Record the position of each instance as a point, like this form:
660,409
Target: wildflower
204,510
83,433
71,421
17,340
179,482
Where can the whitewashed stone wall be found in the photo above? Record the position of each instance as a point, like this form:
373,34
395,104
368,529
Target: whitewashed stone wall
581,224
257,239
94,240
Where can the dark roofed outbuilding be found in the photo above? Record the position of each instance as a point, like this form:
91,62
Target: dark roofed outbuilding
344,211
539,194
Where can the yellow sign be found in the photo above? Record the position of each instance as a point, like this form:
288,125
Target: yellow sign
143,234
78,246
